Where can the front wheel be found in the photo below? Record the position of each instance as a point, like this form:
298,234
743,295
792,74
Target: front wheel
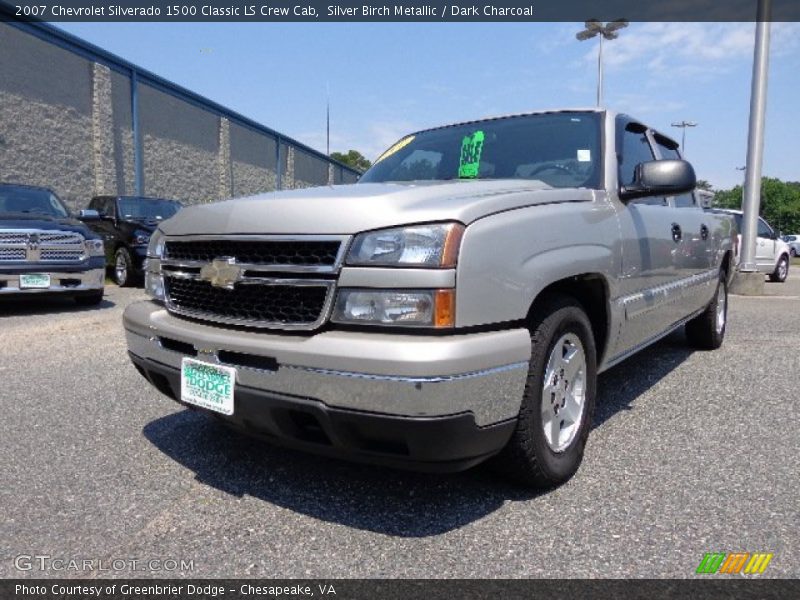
707,330
781,271
123,268
547,446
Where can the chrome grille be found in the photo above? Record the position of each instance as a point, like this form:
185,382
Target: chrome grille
33,246
12,253
60,254
278,282
60,238
264,253
13,237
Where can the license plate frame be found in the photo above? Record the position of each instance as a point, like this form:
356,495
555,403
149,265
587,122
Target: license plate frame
34,281
208,385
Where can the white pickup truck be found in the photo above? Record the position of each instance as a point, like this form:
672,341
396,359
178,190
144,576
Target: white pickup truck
455,305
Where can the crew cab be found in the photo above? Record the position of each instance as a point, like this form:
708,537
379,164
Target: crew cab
43,249
772,252
125,224
454,305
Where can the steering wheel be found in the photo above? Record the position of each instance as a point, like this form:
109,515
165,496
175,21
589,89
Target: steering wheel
550,167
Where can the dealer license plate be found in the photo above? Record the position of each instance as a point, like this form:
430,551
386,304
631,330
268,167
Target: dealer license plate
34,281
207,385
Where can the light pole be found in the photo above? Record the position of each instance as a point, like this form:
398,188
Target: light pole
749,281
607,31
683,125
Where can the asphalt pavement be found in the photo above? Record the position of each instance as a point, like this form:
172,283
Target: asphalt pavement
691,452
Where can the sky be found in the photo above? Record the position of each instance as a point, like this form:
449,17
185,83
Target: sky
388,79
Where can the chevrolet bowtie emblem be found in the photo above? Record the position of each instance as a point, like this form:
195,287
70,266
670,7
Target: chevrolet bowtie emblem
222,273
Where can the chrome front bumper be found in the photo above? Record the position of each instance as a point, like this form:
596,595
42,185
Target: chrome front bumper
407,375
66,282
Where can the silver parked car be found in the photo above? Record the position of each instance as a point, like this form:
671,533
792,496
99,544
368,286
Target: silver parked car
794,244
456,304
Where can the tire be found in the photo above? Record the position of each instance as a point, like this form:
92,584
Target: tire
707,330
92,299
793,253
122,272
781,271
534,457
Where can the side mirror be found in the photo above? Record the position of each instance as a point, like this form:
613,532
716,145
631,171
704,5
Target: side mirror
89,214
660,178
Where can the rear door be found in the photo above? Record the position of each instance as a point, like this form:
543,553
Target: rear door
695,251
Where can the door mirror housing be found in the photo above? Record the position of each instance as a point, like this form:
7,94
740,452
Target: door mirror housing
660,178
89,214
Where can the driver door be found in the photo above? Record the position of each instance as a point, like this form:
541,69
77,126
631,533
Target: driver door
765,246
648,249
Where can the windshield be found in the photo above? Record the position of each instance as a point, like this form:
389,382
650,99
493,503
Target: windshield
22,199
147,209
559,149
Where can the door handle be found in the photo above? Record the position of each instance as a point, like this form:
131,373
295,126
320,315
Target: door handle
677,234
703,232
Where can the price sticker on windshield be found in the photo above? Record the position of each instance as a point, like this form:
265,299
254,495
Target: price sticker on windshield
470,161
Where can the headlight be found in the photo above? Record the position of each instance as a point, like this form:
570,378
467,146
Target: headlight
154,285
141,238
156,247
434,245
94,248
420,308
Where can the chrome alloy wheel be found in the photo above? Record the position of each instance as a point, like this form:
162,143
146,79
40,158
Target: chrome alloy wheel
783,269
722,301
564,392
121,269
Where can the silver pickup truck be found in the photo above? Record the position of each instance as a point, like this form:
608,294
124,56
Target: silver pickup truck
454,305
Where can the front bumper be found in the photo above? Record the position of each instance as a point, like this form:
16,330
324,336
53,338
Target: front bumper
438,444
62,280
474,380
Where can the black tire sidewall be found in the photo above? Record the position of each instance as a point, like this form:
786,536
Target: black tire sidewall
559,466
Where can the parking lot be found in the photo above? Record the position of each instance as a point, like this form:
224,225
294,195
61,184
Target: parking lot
692,452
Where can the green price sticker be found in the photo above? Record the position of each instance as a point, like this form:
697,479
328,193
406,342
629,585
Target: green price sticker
471,148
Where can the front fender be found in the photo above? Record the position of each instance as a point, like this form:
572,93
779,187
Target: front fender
507,259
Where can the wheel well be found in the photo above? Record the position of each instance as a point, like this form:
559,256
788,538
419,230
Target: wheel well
591,291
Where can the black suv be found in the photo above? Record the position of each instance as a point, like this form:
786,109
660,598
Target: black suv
125,224
43,249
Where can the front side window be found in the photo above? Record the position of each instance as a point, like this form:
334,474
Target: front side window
560,149
764,230
635,149
669,150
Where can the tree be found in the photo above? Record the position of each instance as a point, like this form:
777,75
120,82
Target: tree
702,184
353,158
780,202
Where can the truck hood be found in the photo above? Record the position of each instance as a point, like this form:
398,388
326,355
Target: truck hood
45,223
349,209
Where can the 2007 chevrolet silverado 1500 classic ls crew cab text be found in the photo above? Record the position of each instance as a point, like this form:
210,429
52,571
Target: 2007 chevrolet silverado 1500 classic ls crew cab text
454,305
